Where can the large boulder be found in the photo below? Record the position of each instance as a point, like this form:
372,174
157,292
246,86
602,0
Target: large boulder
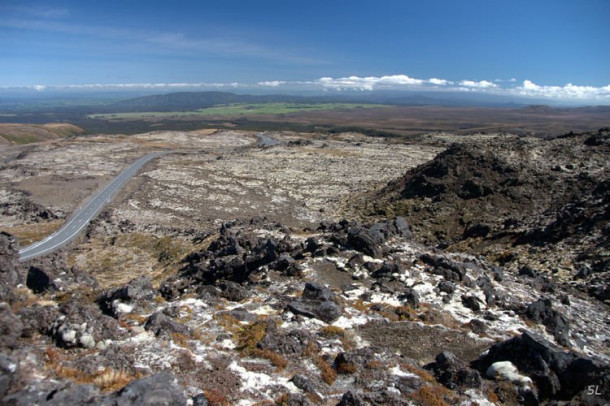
82,324
317,302
454,373
136,293
557,374
39,281
53,273
156,390
52,393
541,311
161,324
366,241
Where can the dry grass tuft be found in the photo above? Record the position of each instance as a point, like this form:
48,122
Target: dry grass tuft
107,379
332,332
250,335
30,233
327,372
215,398
276,359
432,395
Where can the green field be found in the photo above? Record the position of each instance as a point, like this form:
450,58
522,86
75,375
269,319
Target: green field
240,109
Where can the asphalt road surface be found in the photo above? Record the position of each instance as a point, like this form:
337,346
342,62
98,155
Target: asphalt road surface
81,217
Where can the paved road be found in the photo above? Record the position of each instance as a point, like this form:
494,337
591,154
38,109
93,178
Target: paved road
84,215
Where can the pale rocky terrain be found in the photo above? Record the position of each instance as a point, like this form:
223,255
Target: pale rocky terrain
227,273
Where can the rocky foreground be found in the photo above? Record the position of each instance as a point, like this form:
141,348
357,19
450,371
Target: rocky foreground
346,314
349,312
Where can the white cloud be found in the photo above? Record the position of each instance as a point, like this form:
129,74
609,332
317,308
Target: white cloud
566,93
272,83
369,82
483,84
440,82
569,91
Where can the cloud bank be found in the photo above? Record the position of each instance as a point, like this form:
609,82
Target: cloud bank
527,88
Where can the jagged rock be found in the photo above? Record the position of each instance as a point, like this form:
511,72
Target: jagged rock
557,374
528,271
10,328
303,383
410,296
498,273
158,389
175,286
317,302
9,257
477,326
233,291
288,266
350,398
9,371
137,292
446,286
315,291
451,270
37,319
69,335
452,372
52,273
290,343
82,324
49,393
471,302
402,227
294,399
485,284
160,324
386,270
117,356
542,311
200,400
326,311
38,281
365,241
312,244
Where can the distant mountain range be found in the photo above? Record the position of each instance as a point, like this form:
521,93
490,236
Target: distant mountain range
107,102
199,100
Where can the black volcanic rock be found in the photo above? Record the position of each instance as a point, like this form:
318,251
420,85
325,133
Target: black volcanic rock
158,389
541,311
38,281
452,372
160,324
558,374
517,201
317,302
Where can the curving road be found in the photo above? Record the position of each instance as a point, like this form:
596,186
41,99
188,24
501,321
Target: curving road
84,215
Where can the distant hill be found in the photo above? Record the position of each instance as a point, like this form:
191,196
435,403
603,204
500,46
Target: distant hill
200,100
11,134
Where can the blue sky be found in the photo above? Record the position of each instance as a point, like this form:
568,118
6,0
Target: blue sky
556,49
